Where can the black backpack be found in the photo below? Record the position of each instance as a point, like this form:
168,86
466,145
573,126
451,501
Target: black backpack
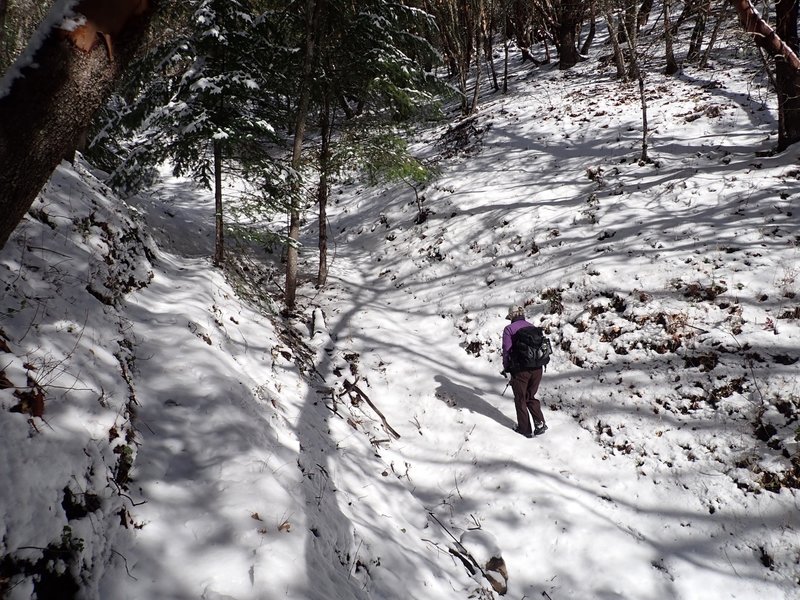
530,349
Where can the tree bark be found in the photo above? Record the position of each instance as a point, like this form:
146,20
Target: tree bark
644,13
570,18
505,62
219,238
478,57
722,17
52,99
323,192
698,32
3,11
787,79
3,34
672,64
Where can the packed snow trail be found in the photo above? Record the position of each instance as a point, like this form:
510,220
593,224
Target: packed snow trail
570,520
312,498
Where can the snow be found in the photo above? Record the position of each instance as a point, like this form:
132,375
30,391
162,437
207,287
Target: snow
669,291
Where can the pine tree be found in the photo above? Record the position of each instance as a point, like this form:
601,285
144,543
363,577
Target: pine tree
205,107
357,65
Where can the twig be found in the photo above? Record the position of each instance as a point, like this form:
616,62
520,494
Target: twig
352,387
355,559
124,560
461,547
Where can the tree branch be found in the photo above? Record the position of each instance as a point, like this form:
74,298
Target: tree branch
763,35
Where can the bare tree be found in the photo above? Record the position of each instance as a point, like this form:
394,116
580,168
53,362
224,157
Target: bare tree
672,64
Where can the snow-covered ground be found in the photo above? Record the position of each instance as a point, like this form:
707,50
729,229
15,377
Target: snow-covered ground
191,447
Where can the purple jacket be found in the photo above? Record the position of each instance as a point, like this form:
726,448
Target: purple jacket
509,331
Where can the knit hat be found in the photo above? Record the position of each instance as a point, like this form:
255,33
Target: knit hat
515,311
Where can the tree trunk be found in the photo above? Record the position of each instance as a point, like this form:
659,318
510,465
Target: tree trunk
3,11
219,239
521,28
644,13
570,18
699,31
4,58
488,44
313,10
763,35
49,105
787,79
632,39
722,17
672,64
592,32
613,35
323,192
644,158
505,65
478,58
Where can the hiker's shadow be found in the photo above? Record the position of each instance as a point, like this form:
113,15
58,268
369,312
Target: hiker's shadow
456,395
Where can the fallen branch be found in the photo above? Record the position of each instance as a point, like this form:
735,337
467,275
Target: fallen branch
352,388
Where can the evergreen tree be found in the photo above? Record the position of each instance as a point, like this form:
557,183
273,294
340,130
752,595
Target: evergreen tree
202,105
356,65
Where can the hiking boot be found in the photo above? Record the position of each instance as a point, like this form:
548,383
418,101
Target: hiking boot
540,429
527,435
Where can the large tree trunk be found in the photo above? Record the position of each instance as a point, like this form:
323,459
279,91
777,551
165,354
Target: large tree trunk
787,78
570,18
52,97
786,61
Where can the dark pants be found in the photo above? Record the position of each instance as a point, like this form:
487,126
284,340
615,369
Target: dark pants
525,384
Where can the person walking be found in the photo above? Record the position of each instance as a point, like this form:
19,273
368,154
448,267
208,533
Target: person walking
525,375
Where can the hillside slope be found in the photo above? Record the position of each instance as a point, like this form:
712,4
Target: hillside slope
670,289
163,438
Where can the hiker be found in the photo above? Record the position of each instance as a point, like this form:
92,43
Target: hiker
525,374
